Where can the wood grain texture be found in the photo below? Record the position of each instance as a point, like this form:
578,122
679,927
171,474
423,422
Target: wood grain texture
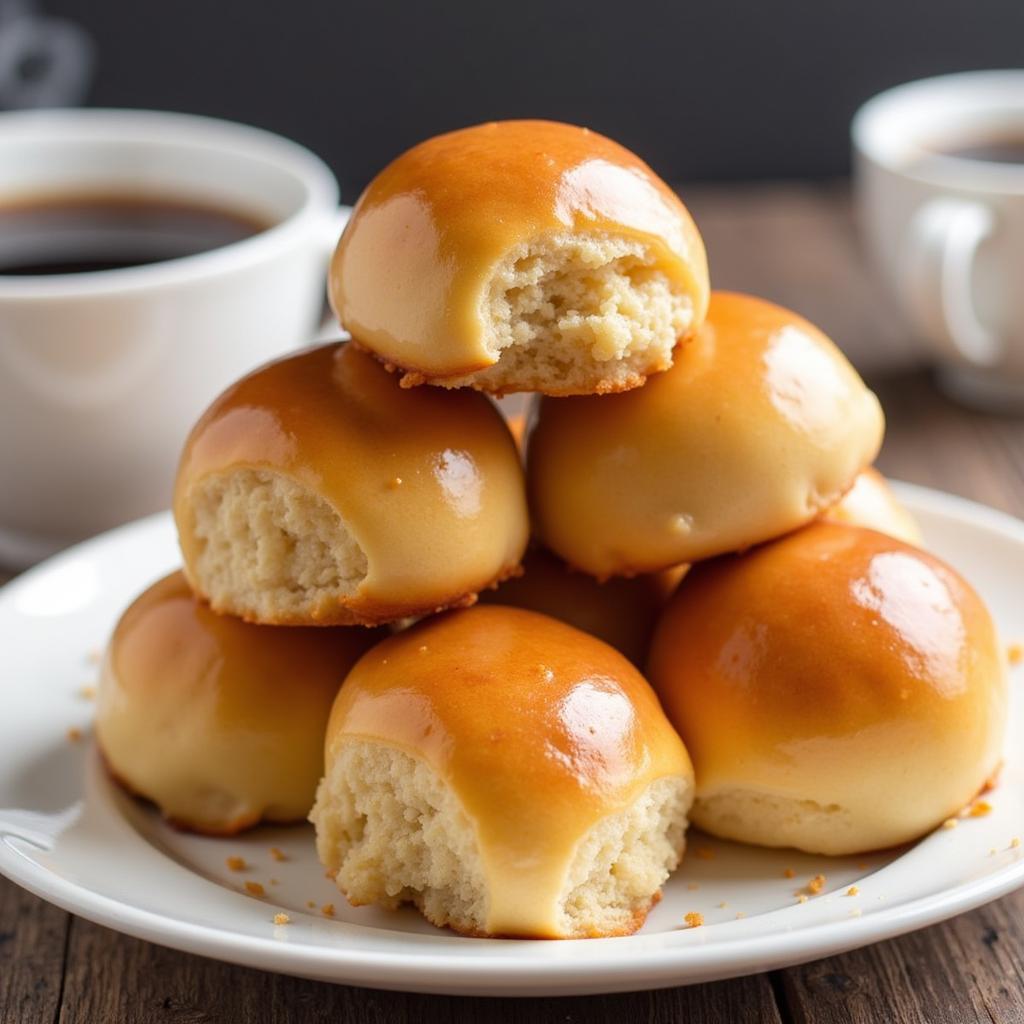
795,244
111,977
968,969
32,947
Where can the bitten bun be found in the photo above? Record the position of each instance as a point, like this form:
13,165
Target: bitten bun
506,773
870,502
520,256
621,612
218,722
839,691
317,491
759,426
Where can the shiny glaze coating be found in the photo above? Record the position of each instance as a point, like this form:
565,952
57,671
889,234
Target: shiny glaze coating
539,729
217,721
870,502
410,274
759,425
837,665
429,484
621,612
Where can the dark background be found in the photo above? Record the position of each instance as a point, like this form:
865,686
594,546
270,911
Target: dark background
720,89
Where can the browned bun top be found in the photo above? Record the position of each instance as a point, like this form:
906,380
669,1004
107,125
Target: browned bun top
759,425
218,721
839,666
411,272
427,487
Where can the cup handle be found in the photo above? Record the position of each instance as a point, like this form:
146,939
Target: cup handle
943,243
334,224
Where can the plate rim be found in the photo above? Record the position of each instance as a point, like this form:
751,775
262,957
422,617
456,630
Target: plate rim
612,968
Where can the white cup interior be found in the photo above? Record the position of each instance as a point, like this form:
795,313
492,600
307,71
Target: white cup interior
176,157
905,128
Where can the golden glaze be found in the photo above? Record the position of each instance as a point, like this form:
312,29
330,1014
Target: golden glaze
539,729
219,722
870,502
838,665
759,425
429,484
410,274
621,612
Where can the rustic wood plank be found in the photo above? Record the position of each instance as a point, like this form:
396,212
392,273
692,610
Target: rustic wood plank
113,978
930,440
969,969
32,941
796,244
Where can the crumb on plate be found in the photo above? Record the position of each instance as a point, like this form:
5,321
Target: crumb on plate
278,854
327,910
693,919
801,897
852,891
74,734
1015,842
1015,654
979,809
950,823
282,919
235,863
704,853
255,889
789,873
816,884
87,692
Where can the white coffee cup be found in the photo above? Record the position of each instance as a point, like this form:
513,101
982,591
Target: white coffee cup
102,374
946,232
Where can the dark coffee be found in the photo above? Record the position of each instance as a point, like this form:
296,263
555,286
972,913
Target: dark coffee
996,149
76,234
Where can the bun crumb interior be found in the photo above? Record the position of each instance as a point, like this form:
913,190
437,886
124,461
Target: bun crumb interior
579,313
267,545
390,832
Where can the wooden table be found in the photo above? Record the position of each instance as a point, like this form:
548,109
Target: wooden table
796,244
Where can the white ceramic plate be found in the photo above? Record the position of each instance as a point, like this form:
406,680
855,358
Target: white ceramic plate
70,836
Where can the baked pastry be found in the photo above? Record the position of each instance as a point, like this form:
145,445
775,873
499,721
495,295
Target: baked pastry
520,256
317,491
759,426
506,773
621,612
839,690
870,502
218,722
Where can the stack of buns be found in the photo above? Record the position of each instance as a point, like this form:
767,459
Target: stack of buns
693,498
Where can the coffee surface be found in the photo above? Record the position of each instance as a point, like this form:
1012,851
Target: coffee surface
73,234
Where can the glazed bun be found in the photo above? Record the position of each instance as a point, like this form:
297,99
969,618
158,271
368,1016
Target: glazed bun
621,612
839,690
218,722
520,256
870,502
317,491
759,426
506,773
